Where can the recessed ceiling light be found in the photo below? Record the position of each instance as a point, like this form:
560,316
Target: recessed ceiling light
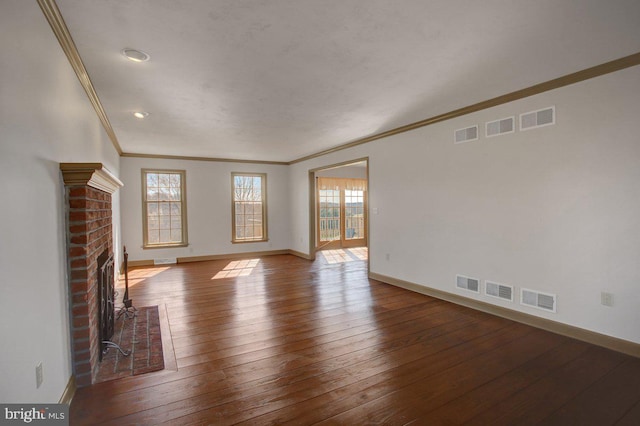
135,55
140,114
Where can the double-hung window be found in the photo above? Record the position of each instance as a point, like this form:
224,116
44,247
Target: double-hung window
249,207
164,208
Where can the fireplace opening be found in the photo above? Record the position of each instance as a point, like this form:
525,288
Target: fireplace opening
106,304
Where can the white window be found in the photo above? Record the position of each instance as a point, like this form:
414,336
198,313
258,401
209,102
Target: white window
249,207
164,208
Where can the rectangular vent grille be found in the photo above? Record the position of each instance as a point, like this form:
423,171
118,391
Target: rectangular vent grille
500,127
466,135
466,283
539,118
501,291
544,301
165,261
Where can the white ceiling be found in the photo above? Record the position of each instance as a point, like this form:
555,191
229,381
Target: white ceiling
277,80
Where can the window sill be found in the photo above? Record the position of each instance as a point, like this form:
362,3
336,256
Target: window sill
161,246
248,241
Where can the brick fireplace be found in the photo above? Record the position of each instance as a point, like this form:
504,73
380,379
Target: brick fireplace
88,191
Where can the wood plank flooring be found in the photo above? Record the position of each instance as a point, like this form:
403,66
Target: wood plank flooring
281,340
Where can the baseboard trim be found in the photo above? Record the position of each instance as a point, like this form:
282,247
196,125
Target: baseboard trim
231,256
613,343
300,254
133,263
228,256
69,391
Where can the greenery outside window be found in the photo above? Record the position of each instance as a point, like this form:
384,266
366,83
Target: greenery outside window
164,208
249,207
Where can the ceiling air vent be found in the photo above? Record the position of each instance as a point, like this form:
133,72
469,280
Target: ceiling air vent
535,299
500,127
466,283
539,118
501,291
466,135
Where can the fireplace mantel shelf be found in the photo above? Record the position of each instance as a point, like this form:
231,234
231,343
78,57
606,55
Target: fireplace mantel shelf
94,175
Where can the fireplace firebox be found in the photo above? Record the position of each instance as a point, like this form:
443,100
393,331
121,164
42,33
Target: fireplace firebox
106,304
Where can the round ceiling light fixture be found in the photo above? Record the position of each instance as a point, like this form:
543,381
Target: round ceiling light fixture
140,114
135,55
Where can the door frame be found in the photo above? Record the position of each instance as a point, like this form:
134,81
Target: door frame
313,203
343,241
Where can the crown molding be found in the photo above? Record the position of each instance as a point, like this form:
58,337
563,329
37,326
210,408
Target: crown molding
576,77
52,13
213,159
94,175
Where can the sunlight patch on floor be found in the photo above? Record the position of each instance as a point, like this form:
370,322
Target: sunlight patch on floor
336,256
138,275
237,268
345,255
361,253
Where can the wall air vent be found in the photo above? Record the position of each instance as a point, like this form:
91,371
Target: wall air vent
500,127
539,118
501,291
165,261
466,135
536,299
467,283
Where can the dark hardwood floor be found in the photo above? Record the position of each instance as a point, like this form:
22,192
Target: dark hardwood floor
282,340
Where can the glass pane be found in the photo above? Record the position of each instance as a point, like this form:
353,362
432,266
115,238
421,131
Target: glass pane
164,209
174,180
164,194
174,194
176,222
152,209
163,179
165,236
153,237
165,222
152,179
175,209
176,235
152,222
152,194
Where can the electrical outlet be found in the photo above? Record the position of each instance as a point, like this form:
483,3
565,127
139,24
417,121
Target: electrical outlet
39,376
606,298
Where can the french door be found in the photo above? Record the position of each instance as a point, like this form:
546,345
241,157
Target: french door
341,215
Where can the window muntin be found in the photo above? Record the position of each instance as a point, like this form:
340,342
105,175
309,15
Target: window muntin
164,208
354,213
248,204
329,216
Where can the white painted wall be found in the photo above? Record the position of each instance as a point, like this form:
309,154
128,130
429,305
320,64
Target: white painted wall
208,207
555,209
354,172
45,119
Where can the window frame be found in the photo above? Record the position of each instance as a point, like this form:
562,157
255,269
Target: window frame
263,189
183,209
